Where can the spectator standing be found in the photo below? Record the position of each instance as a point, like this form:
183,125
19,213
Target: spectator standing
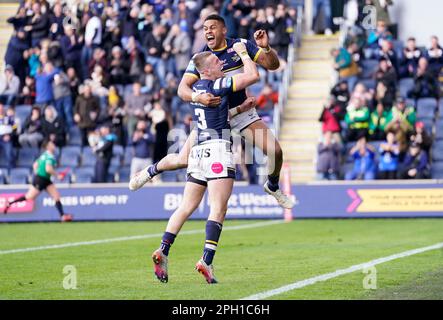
63,98
330,117
86,112
71,49
53,127
357,119
160,127
425,82
154,47
347,68
43,85
93,39
15,50
32,136
142,141
328,159
38,25
178,44
103,151
389,157
9,86
409,61
435,56
137,105
8,128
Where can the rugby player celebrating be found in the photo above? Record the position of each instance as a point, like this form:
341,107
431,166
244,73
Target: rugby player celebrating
248,123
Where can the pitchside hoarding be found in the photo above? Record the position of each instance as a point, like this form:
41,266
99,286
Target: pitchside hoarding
246,202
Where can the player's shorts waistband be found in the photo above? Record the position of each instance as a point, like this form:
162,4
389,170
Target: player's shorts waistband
214,141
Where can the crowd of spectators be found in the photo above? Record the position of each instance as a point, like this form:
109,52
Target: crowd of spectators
117,64
381,117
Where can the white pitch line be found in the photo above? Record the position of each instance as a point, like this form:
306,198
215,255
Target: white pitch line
340,272
129,238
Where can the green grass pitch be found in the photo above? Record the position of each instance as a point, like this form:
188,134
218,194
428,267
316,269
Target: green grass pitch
247,262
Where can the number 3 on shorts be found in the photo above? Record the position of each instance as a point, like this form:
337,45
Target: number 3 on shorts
201,119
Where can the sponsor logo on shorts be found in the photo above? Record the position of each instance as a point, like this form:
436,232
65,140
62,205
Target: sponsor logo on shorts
217,167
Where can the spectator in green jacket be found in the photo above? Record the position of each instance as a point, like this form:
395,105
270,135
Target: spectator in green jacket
377,123
357,119
401,112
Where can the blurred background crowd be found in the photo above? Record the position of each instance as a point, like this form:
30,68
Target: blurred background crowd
75,66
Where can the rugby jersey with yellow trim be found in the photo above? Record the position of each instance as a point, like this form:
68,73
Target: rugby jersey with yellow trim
232,64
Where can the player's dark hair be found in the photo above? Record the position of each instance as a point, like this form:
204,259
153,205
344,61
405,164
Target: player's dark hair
216,17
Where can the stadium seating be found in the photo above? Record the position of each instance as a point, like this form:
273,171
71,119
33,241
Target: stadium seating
3,175
84,175
437,151
19,176
368,83
405,85
426,108
88,157
118,150
440,107
127,156
22,112
437,170
70,156
169,176
74,136
368,68
439,129
27,156
123,174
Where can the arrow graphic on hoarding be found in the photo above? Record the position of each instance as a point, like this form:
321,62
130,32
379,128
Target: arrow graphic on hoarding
356,200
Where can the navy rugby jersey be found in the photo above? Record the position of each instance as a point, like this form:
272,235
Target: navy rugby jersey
213,122
232,64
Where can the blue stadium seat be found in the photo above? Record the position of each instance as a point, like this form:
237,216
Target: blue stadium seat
127,158
19,176
74,136
437,151
3,175
437,170
84,175
439,129
368,68
397,46
426,108
440,108
27,156
405,85
88,157
123,174
368,83
22,112
411,103
118,150
70,156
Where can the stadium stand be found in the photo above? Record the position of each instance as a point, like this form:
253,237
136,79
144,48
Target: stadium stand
55,65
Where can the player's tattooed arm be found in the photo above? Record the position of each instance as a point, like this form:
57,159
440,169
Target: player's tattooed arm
268,58
186,93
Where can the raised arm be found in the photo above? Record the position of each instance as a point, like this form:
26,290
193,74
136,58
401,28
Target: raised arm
250,73
268,58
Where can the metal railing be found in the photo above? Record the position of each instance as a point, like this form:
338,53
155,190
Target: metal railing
287,73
